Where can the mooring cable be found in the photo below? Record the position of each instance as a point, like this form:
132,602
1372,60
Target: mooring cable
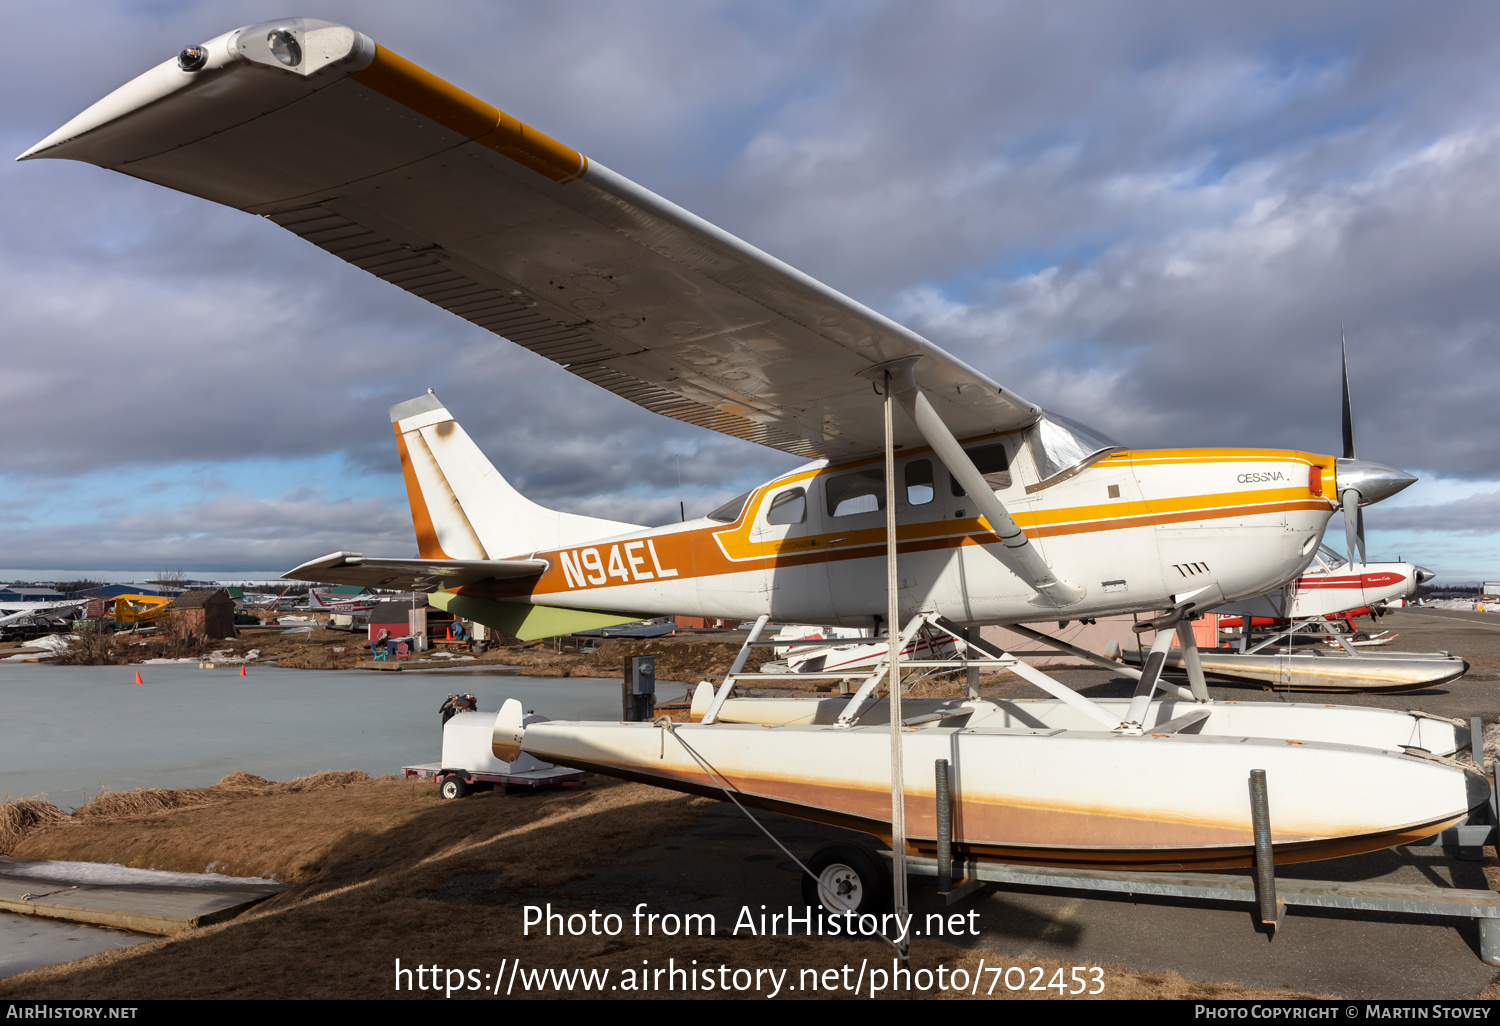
670,726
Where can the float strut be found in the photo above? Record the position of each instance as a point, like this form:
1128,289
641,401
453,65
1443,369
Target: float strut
1265,866
944,829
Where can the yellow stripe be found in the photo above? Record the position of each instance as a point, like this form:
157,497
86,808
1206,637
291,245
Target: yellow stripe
736,545
418,89
1182,504
1169,456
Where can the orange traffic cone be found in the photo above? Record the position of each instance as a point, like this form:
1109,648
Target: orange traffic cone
242,670
138,677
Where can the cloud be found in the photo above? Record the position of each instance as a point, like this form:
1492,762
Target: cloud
1478,515
1153,218
229,532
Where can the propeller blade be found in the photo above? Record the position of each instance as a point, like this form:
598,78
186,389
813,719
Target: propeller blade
1352,536
1359,531
1348,412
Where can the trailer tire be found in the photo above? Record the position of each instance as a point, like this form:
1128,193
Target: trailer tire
453,786
850,878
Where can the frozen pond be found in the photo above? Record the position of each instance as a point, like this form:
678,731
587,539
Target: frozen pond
30,942
68,730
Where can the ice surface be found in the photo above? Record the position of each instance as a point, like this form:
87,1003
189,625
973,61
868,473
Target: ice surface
66,731
30,942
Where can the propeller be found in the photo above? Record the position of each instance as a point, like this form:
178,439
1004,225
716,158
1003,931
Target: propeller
1354,516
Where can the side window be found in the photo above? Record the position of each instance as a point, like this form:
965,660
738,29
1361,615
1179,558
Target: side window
919,482
860,492
790,507
991,461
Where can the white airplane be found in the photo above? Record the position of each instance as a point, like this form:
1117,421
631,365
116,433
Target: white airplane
1332,587
1003,512
15,612
852,651
12,610
357,605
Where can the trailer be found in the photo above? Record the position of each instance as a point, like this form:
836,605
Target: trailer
469,764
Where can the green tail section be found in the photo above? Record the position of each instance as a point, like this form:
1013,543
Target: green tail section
525,622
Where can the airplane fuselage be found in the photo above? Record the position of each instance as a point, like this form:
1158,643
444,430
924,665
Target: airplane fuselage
1351,588
1138,530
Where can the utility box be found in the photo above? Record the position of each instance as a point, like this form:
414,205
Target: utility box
639,688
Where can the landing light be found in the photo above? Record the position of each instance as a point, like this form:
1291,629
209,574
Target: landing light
284,47
192,58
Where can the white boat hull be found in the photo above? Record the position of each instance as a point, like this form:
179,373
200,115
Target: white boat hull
1328,671
1388,729
1041,796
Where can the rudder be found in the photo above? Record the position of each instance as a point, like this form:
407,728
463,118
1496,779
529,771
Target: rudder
461,507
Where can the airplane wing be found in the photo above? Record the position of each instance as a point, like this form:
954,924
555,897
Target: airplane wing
40,609
383,164
410,574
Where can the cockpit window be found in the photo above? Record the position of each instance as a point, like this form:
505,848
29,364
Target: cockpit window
730,511
860,492
790,507
1061,448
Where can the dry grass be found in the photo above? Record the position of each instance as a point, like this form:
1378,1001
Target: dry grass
20,816
382,870
93,647
685,659
307,656
235,787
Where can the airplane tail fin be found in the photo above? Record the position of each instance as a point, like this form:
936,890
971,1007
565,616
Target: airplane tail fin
460,505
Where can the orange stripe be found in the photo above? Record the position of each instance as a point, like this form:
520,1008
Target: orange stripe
695,556
418,89
1176,518
542,153
427,541
712,551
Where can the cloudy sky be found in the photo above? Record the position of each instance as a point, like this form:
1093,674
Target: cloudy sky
1151,217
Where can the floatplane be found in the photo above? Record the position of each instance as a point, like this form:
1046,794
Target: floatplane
934,497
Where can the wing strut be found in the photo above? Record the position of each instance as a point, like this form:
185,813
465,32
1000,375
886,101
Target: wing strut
1018,555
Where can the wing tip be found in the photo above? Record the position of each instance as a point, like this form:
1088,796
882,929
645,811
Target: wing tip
321,563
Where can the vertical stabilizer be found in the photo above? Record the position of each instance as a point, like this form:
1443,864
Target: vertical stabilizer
460,505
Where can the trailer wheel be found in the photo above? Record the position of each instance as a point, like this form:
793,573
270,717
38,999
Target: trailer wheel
453,786
850,878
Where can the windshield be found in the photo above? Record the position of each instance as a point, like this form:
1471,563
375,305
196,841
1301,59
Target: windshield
1061,448
1328,560
730,511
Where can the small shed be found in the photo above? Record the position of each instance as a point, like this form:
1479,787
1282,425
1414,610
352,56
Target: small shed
204,613
394,617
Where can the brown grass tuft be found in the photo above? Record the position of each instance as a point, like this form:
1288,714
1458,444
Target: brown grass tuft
235,787
676,659
20,816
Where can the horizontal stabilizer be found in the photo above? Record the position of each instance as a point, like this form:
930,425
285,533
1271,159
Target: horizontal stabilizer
411,574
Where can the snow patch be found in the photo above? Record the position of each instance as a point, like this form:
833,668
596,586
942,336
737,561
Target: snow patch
110,875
